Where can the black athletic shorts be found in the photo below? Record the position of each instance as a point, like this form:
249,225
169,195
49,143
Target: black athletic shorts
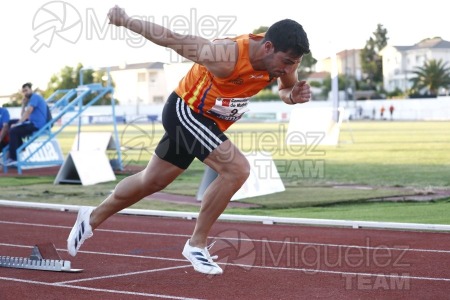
188,134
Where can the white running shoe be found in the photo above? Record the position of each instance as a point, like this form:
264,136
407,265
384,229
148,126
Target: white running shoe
201,260
81,231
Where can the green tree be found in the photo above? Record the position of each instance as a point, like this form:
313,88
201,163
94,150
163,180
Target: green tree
434,74
69,78
343,82
15,99
306,66
371,61
260,29
381,37
308,61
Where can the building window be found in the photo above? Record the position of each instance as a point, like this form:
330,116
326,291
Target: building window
152,79
158,99
141,77
419,59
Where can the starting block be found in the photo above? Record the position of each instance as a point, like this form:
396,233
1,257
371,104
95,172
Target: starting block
43,257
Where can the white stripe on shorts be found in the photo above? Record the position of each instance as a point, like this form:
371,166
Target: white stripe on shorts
219,141
203,139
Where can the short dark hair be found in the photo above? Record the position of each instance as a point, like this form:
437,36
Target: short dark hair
28,85
288,36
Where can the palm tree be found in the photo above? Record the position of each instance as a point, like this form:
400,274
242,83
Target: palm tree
433,75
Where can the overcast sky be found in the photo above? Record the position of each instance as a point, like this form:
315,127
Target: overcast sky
31,52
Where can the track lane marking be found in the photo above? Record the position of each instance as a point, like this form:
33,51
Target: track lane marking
93,289
246,240
305,270
123,274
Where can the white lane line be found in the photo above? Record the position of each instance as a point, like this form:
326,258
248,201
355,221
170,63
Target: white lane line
93,289
123,274
98,229
247,267
380,247
313,271
105,253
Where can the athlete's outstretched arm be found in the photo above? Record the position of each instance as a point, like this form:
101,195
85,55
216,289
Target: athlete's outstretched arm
219,57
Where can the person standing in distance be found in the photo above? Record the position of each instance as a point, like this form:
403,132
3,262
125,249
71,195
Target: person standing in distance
209,98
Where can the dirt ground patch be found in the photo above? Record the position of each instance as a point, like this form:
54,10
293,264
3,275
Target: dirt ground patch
406,194
70,190
401,193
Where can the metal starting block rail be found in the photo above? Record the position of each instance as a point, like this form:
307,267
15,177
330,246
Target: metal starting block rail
36,264
43,257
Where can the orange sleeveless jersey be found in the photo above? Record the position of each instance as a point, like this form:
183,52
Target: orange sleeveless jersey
224,100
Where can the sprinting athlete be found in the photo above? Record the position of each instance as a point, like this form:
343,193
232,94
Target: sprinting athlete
210,98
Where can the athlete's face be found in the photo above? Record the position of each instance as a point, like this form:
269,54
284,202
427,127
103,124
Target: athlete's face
280,63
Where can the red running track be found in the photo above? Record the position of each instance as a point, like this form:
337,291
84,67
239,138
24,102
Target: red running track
133,257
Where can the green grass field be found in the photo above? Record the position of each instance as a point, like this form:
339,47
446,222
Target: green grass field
374,160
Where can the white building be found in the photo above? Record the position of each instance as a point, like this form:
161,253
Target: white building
141,83
348,62
400,61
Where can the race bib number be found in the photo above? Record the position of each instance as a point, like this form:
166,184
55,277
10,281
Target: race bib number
229,109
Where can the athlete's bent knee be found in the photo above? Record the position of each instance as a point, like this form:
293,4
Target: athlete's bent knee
236,172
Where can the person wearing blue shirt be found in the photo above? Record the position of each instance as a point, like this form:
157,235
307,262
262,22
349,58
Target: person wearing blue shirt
4,128
33,118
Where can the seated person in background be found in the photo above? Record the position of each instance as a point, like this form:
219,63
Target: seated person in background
22,112
4,128
33,118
